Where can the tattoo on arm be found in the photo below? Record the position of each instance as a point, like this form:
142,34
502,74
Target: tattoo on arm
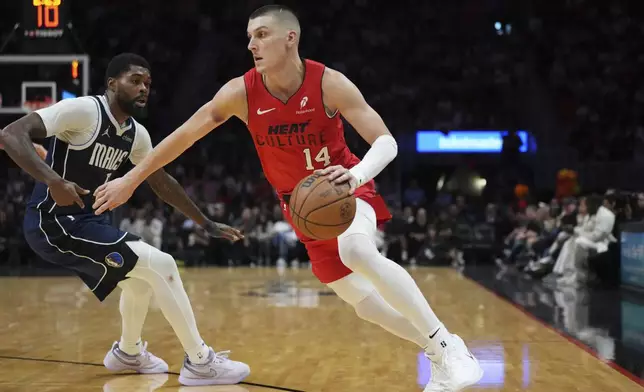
17,137
171,192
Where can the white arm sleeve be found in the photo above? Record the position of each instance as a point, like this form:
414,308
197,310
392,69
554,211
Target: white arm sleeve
383,150
142,145
71,120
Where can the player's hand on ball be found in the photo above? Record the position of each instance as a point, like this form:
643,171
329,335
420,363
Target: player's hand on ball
112,194
220,230
65,193
339,175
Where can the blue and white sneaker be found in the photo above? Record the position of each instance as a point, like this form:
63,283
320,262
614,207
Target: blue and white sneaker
218,370
145,362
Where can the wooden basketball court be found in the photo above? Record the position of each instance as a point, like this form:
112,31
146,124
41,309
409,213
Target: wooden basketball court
293,332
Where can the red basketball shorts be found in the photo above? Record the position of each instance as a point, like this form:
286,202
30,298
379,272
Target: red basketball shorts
324,254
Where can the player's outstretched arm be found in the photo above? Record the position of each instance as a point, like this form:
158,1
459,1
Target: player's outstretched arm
339,93
229,101
170,191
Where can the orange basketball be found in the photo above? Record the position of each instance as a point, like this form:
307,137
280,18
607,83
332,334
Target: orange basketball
321,209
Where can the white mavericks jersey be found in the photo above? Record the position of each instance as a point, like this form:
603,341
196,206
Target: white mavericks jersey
87,146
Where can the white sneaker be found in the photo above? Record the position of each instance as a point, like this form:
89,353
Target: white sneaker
218,370
145,362
454,370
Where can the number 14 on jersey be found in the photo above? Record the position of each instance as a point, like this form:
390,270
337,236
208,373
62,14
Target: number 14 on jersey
322,157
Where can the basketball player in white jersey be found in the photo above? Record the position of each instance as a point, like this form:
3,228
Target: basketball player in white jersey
91,137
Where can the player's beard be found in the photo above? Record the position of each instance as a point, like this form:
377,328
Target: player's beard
130,107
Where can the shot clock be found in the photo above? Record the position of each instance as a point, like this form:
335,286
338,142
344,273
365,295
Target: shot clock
45,18
45,27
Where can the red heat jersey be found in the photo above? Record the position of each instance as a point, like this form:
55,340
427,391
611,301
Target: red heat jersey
297,137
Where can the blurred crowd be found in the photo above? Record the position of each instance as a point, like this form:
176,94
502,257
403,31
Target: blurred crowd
464,64
589,53
569,241
572,242
415,75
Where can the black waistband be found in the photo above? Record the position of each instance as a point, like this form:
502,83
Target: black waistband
287,198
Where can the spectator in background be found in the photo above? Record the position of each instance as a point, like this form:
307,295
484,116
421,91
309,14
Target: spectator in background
283,237
153,228
551,245
263,236
127,223
605,266
591,238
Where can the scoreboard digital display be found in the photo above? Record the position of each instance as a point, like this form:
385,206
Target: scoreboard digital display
45,18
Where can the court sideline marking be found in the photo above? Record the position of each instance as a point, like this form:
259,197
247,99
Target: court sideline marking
101,365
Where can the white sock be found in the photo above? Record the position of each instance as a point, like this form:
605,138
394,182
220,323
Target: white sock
438,339
198,354
359,253
369,305
134,305
160,271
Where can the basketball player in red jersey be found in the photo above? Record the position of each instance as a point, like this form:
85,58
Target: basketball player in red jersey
292,109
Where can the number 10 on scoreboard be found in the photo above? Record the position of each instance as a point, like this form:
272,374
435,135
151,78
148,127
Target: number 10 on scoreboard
47,13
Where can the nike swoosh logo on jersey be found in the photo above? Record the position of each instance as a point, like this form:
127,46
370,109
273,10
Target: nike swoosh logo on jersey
260,112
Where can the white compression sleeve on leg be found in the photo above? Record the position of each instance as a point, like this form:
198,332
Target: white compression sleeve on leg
160,271
134,305
383,150
359,253
369,306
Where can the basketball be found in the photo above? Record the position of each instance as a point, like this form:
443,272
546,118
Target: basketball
320,209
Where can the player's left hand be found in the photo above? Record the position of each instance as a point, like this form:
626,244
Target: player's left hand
220,230
112,194
340,175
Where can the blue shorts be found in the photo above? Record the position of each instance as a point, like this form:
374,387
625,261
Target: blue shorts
87,244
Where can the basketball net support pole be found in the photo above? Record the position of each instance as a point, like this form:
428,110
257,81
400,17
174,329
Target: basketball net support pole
9,37
48,59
